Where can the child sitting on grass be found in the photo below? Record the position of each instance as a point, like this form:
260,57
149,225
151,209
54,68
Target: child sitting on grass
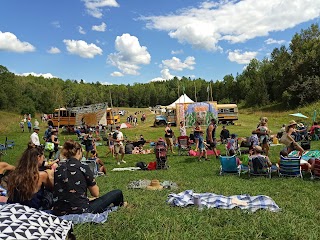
94,155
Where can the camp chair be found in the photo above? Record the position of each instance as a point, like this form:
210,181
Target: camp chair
316,169
316,135
183,145
91,162
257,166
290,167
3,149
229,165
9,143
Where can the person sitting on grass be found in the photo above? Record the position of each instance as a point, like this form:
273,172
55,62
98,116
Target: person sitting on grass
202,147
101,167
232,153
26,184
73,179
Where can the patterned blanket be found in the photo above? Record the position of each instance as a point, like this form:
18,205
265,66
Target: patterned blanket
22,222
211,200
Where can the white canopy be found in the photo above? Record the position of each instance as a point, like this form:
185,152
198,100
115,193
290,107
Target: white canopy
182,99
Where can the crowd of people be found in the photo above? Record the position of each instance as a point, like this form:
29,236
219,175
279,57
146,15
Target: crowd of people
68,180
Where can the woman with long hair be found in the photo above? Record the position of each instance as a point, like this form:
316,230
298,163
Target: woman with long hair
72,179
54,139
26,183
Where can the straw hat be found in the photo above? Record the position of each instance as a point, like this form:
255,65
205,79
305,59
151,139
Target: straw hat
155,185
292,122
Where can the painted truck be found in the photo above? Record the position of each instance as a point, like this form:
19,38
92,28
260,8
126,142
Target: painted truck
202,112
89,115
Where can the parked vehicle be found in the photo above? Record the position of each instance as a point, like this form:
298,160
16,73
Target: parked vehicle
227,113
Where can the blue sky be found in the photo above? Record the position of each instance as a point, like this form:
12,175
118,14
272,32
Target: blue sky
128,41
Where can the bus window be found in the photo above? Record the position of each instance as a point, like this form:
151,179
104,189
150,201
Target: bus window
73,114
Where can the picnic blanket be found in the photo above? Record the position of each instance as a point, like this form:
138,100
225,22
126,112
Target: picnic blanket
22,222
211,200
209,152
306,155
89,217
143,183
125,169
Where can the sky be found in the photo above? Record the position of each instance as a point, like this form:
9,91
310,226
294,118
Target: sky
138,41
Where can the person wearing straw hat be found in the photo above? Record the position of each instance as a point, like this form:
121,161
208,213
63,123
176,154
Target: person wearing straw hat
288,140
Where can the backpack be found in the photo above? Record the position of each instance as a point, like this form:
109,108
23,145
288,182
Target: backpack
115,135
142,165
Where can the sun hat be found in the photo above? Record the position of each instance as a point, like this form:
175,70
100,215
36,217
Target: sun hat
154,185
36,128
292,122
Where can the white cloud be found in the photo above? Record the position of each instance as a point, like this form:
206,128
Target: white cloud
129,54
94,7
9,42
241,58
81,48
234,21
175,63
81,30
56,24
45,75
165,75
177,52
100,28
54,50
117,74
273,41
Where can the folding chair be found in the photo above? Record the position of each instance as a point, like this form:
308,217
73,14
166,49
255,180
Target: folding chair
183,145
229,165
3,149
91,162
258,166
316,169
290,167
9,143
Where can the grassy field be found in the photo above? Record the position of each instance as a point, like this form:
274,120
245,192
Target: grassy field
149,217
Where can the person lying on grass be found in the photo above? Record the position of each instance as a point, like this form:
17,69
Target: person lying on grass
26,184
72,179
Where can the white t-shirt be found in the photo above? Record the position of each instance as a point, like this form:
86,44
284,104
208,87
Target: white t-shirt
120,138
35,139
183,131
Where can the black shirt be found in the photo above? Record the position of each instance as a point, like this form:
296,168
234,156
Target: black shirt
71,180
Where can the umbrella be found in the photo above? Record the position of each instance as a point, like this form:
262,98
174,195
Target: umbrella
125,125
299,115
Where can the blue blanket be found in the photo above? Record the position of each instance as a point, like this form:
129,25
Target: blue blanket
211,200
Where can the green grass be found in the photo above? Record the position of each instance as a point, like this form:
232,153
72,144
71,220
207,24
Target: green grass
150,217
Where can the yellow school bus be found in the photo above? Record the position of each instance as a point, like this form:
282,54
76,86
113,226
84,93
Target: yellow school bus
227,113
89,115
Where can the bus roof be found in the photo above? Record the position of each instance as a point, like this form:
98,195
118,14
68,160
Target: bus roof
60,109
232,105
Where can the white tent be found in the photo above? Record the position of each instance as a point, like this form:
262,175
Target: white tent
182,99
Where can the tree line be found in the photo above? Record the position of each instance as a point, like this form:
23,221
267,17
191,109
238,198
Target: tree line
289,76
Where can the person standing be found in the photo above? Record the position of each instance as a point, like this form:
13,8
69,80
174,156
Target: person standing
182,129
118,146
211,136
21,124
89,142
168,136
196,133
35,136
29,124
55,141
